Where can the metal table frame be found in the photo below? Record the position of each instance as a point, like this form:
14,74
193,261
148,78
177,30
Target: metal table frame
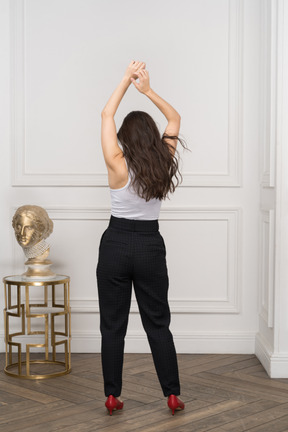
23,311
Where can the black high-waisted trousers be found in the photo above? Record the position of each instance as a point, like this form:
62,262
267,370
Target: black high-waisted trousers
134,251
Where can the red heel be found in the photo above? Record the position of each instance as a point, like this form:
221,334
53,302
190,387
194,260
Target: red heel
113,403
174,403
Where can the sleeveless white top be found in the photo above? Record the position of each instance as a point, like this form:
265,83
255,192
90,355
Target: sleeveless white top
126,203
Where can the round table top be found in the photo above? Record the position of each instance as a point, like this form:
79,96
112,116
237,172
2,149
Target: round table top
20,280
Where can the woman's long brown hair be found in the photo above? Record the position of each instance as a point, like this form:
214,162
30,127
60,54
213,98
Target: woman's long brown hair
150,157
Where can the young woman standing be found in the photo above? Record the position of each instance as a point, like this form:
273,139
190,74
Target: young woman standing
141,173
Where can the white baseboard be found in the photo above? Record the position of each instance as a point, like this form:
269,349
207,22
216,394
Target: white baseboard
276,365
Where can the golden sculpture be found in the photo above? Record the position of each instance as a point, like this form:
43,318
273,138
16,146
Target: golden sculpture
32,226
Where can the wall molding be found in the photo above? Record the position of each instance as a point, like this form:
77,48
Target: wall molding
22,177
276,365
209,342
266,248
230,304
177,306
268,92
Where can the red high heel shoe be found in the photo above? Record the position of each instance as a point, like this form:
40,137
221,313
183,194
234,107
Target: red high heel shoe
174,403
113,403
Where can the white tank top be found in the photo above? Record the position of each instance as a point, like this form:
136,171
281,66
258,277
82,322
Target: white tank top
126,203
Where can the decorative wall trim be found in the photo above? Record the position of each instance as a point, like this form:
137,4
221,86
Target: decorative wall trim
268,91
22,177
276,365
229,304
177,306
209,342
266,248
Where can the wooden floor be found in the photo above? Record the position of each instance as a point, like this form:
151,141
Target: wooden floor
222,393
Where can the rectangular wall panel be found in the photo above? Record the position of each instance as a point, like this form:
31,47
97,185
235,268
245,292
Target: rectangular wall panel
62,77
203,256
266,267
267,78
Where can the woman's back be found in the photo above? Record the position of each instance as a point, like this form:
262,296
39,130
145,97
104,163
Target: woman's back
126,203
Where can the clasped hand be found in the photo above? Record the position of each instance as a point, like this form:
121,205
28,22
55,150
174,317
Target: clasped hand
136,70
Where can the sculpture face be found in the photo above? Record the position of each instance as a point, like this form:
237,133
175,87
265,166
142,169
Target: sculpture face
32,226
26,231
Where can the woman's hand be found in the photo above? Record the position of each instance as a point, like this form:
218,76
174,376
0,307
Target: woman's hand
144,84
133,68
116,97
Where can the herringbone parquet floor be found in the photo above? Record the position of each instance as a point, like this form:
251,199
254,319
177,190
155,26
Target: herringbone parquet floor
222,393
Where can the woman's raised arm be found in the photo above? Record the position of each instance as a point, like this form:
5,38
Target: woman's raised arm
172,116
116,97
110,147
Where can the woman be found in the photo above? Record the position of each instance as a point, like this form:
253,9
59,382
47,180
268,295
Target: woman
140,176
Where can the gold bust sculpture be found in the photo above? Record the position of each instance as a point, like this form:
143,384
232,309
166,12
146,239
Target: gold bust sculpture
32,226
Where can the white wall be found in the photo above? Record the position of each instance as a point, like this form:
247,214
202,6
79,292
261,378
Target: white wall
203,56
272,339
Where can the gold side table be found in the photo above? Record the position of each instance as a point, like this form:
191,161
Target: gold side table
26,315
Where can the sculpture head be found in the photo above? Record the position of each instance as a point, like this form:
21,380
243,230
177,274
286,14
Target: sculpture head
31,225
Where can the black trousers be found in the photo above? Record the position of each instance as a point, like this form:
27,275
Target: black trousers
134,251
